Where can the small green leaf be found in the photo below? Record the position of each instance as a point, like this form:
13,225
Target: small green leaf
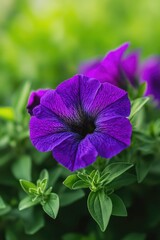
26,185
51,206
141,89
71,180
119,208
100,208
26,203
5,210
21,168
34,222
84,177
137,104
43,184
80,184
122,181
44,174
2,204
95,175
142,168
22,98
114,170
10,235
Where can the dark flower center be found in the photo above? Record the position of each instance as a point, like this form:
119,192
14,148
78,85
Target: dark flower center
83,128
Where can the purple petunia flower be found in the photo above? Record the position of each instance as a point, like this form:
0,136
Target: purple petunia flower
150,73
114,67
81,119
34,99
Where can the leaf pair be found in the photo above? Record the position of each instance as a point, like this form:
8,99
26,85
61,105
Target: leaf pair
101,207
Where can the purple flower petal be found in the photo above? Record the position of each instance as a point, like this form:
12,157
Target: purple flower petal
60,103
111,137
74,154
106,95
114,68
120,108
150,73
108,70
106,145
34,99
46,134
130,66
118,128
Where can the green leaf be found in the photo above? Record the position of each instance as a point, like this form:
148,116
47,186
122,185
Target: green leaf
119,208
22,98
5,210
114,170
100,208
34,222
27,202
80,184
141,89
2,204
137,104
84,177
142,168
95,175
26,185
71,180
51,206
44,175
70,197
6,158
43,184
122,181
22,167
10,235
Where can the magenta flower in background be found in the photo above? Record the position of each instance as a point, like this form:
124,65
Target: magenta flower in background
34,99
81,119
150,73
115,67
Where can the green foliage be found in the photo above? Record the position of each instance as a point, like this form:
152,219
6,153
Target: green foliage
51,205
39,193
113,171
99,203
119,208
22,167
137,104
100,208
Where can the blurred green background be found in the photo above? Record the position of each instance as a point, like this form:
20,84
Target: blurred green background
44,41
